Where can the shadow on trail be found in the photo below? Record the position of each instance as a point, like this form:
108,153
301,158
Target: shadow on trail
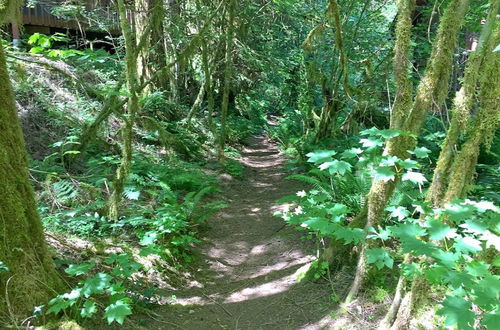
247,276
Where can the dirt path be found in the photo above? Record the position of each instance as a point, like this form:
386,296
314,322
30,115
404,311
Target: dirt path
247,276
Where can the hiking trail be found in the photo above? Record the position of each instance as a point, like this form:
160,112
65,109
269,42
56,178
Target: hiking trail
246,276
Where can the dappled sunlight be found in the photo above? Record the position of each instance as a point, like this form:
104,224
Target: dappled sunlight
262,290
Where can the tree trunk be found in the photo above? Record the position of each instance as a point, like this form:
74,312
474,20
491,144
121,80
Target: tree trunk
32,278
431,92
228,66
132,109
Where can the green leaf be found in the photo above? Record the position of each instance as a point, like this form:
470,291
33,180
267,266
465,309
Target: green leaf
383,234
408,164
389,161
117,312
467,245
491,320
384,173
399,212
407,230
76,270
351,153
380,257
448,259
322,225
389,133
414,177
320,156
149,238
458,212
457,312
89,308
57,304
421,152
486,291
350,235
96,284
411,270
371,142
336,167
338,209
438,230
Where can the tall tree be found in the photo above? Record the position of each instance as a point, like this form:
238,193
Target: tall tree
31,279
131,66
228,68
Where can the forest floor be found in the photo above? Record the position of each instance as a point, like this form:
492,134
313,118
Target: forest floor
246,276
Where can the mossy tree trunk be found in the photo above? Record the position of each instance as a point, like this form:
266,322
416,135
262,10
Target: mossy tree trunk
228,68
32,278
132,109
461,111
431,92
483,69
332,107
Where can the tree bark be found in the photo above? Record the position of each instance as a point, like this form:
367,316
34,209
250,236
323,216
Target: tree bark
32,278
132,109
228,68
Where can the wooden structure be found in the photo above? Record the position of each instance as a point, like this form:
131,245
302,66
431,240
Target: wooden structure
39,16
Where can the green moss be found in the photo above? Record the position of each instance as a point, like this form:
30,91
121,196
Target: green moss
32,278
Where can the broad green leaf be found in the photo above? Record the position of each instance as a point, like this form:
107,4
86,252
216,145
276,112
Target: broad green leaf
407,230
338,209
389,161
458,212
408,164
448,259
436,274
89,308
399,212
320,156
149,238
457,312
486,291
411,270
380,257
321,225
417,246
459,279
389,133
492,320
421,152
96,284
350,235
336,167
384,173
76,270
117,312
478,268
371,142
383,234
467,245
414,177
351,153
57,304
438,230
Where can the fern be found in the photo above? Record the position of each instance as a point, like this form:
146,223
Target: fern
64,191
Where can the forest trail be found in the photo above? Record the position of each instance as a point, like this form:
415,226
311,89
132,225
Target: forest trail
246,276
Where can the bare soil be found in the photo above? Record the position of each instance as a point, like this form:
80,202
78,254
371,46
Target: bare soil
249,261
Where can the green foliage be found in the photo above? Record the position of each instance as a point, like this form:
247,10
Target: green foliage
95,286
449,239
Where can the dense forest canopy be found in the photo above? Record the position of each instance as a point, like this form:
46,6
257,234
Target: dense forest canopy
268,164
